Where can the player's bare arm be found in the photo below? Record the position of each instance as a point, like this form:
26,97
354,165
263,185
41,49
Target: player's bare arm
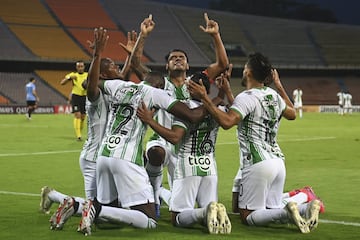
225,120
100,39
222,61
290,112
173,135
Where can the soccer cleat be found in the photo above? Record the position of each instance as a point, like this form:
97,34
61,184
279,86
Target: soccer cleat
312,214
293,210
63,213
312,196
27,116
87,219
45,201
223,219
211,218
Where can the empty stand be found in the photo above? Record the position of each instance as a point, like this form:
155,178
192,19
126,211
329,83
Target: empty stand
81,13
53,78
80,18
339,44
13,86
31,22
4,100
28,12
49,42
112,50
168,33
10,46
231,32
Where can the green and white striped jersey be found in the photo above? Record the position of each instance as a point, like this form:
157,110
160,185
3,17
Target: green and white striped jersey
96,121
124,133
166,119
261,110
196,154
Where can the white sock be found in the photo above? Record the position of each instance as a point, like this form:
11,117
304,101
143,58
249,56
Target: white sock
81,203
56,196
302,208
264,217
285,195
298,198
189,217
300,113
132,217
155,175
165,195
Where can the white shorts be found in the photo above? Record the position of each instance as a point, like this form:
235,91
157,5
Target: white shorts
170,157
262,185
123,180
191,190
297,105
88,169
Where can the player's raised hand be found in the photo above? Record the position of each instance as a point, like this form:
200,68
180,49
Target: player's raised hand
100,39
131,40
211,27
147,25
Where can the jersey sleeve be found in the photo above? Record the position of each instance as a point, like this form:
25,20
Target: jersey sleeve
110,86
244,104
162,100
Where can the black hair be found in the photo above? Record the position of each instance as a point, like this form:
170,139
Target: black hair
260,67
155,79
205,80
31,79
175,50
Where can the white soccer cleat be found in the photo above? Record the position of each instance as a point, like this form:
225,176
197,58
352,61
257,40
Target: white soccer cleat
211,218
63,213
312,214
223,219
87,219
301,223
45,201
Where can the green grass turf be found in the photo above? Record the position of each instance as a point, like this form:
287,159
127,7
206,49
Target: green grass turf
322,150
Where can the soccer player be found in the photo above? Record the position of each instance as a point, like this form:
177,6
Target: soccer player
347,103
160,152
257,112
78,96
31,97
297,96
341,101
195,174
96,108
121,176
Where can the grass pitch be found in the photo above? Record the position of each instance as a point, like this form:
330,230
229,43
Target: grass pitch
322,150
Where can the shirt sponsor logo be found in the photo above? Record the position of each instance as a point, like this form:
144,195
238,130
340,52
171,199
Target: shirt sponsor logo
113,141
203,162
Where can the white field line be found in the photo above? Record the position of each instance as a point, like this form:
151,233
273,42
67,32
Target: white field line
288,140
219,143
320,220
36,153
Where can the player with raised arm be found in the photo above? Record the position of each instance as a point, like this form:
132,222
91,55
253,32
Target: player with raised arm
257,113
120,159
160,152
